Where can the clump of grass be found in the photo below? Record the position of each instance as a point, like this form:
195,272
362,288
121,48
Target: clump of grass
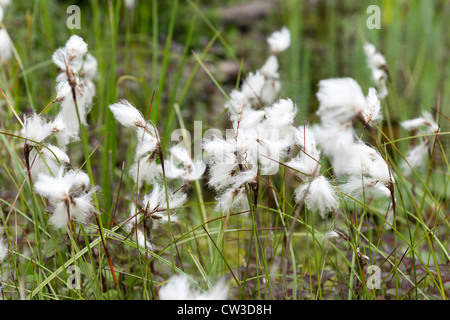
282,207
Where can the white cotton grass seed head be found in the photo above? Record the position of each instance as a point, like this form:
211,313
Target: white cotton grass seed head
5,46
3,247
5,3
80,181
180,155
250,118
378,66
413,124
147,141
250,176
178,287
304,166
364,187
372,112
318,195
270,68
130,4
232,200
367,161
389,217
36,129
221,151
271,150
252,86
362,158
305,138
63,134
89,73
280,114
279,40
127,114
336,141
76,47
71,55
54,188
142,241
426,121
56,154
379,77
307,162
271,90
156,200
3,251
379,170
415,157
182,166
383,88
236,104
67,195
136,234
341,100
69,107
79,209
221,175
90,67
375,60
144,170
48,160
369,49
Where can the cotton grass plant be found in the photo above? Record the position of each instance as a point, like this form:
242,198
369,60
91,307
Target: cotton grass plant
275,206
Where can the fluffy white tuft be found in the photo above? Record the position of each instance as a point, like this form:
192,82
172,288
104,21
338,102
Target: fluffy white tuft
68,106
5,46
47,160
71,55
279,40
156,200
415,157
3,247
179,288
145,171
372,112
426,121
36,129
378,66
232,200
182,166
127,114
64,134
68,193
318,194
130,4
341,100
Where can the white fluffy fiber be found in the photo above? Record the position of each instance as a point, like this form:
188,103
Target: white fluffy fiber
340,100
5,46
36,129
179,288
318,195
279,40
66,192
127,114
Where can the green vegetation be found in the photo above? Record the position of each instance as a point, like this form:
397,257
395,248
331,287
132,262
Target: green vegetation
177,61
